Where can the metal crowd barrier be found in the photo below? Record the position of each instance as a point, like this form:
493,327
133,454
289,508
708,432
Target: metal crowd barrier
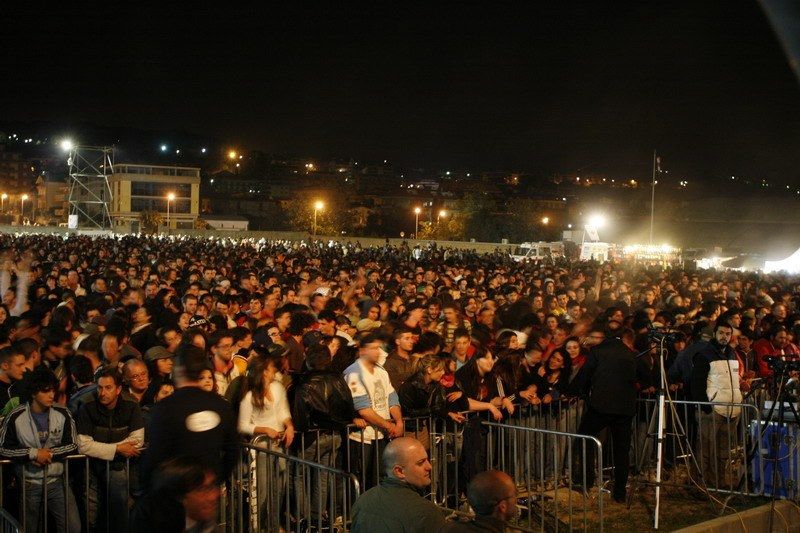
557,487
443,439
561,415
272,490
559,475
8,524
75,488
713,450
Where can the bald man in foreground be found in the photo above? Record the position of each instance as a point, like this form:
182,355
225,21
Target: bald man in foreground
397,504
493,497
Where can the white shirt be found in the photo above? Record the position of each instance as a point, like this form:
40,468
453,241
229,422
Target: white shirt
272,415
370,390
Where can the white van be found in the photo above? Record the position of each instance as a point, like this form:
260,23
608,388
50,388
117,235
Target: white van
538,251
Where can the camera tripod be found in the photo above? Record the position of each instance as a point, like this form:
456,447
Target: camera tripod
784,400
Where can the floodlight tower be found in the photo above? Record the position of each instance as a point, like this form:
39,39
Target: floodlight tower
89,192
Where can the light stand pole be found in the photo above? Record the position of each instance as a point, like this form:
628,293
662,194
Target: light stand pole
170,198
22,208
662,390
653,196
3,202
417,211
317,207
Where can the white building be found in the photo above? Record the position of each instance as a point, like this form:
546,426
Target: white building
172,191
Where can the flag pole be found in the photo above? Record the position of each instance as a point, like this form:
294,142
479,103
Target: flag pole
653,196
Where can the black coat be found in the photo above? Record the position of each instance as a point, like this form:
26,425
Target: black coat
418,399
158,513
109,426
191,422
609,378
322,400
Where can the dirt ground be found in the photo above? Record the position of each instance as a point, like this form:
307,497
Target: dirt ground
679,508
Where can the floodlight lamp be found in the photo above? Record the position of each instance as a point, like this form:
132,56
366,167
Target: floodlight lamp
597,221
67,145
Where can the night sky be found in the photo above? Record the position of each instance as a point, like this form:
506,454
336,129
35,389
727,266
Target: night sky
547,88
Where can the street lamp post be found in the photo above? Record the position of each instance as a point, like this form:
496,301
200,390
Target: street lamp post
3,202
22,206
170,198
417,211
442,214
317,206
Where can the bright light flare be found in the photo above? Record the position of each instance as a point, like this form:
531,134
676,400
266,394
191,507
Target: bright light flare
171,197
318,205
417,210
67,145
597,220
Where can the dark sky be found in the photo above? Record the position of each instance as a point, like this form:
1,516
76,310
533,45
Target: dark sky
593,85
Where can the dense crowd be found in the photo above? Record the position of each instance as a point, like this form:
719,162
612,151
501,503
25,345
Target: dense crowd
167,353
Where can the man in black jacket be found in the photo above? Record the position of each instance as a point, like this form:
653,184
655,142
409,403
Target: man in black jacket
191,422
609,378
321,410
111,431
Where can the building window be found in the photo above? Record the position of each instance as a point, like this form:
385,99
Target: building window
179,205
144,188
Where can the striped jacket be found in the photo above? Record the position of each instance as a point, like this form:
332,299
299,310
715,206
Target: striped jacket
19,439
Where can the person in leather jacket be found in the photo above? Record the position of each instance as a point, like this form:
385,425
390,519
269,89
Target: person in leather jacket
322,408
422,395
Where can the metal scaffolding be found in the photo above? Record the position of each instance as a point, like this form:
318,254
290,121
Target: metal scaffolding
89,192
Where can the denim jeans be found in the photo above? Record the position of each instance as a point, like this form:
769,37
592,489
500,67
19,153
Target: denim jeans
268,489
307,480
108,499
61,507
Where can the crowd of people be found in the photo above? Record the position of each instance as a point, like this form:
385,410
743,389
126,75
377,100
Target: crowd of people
161,355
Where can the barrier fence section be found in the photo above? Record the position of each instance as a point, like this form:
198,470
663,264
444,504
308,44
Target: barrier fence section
557,480
271,490
8,524
559,473
706,444
80,493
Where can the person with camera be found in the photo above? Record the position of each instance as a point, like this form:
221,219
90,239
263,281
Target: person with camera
715,378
